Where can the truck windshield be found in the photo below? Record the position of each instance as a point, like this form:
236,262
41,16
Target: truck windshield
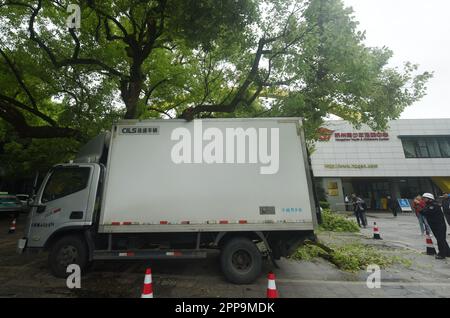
65,181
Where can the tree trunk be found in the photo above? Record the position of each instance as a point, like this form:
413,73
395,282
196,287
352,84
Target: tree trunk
132,99
131,89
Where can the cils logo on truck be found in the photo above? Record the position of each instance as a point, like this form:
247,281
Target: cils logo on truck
139,130
229,148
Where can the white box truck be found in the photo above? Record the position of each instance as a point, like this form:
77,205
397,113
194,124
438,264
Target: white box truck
172,189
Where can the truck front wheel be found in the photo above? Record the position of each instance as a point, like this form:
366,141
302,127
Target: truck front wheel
241,261
66,251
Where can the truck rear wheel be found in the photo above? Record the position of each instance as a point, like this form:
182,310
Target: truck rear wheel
241,261
66,251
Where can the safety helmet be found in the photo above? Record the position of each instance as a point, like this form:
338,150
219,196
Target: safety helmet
428,196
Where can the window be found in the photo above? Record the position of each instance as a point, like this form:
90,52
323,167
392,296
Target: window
65,181
433,148
422,149
426,147
409,147
445,148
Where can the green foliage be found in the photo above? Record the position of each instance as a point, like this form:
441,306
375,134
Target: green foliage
308,252
355,257
23,157
337,223
350,257
201,52
126,50
324,204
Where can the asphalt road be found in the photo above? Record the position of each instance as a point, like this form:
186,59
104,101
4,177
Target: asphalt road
27,275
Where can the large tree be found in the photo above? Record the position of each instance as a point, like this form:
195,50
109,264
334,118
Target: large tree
339,75
128,45
191,58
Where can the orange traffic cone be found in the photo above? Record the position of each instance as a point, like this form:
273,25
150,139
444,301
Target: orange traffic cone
12,227
147,290
271,287
376,232
429,244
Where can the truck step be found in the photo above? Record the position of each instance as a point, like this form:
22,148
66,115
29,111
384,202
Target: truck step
149,254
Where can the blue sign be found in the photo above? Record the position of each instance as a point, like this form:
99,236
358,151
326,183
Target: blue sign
404,205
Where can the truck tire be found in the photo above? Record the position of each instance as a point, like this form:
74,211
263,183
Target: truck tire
65,251
241,261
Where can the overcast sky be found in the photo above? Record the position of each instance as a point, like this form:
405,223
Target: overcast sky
417,31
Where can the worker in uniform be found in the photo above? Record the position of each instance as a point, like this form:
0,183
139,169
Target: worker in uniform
433,213
359,208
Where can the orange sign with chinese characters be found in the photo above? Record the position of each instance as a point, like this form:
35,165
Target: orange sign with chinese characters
362,136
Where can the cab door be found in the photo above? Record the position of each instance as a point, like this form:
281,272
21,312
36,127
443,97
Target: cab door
66,199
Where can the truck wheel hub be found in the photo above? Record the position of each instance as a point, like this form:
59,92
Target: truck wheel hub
241,260
68,255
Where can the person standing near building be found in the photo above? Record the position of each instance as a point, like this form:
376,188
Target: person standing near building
359,207
433,213
391,205
347,203
418,205
446,206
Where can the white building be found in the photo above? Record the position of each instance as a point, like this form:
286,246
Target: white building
411,157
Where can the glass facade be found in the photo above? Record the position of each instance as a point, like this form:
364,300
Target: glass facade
375,190
426,147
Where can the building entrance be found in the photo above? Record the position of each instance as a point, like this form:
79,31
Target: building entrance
375,190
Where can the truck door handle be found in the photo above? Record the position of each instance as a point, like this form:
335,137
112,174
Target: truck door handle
76,215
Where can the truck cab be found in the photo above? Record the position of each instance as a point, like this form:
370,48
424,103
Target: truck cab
65,205
66,200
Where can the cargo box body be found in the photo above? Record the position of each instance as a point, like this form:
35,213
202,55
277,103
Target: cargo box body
178,176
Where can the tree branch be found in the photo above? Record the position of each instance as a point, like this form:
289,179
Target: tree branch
19,78
189,113
76,50
91,4
65,62
109,35
160,111
17,120
15,3
34,111
152,89
154,31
